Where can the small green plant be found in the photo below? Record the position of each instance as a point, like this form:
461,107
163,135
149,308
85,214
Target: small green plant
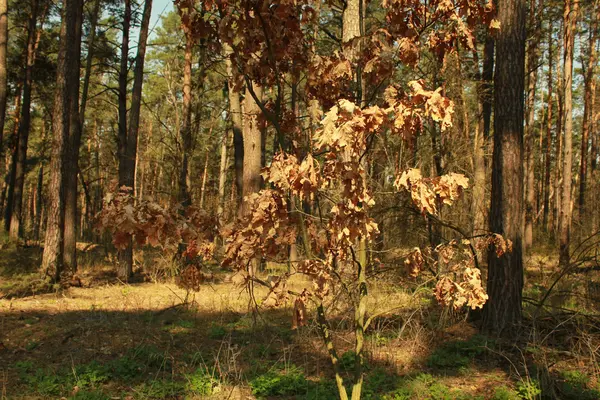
217,332
529,389
377,382
323,389
45,383
201,383
159,390
425,387
379,339
125,367
505,393
348,360
89,395
290,382
32,345
575,386
183,323
90,375
457,354
151,357
23,368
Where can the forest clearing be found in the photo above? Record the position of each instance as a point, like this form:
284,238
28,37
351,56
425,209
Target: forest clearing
299,199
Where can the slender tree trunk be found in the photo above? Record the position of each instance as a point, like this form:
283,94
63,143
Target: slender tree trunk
594,126
204,179
589,89
222,176
67,78
89,61
9,180
125,256
186,129
532,61
502,312
71,163
3,66
38,204
128,170
570,18
559,141
123,74
24,128
482,134
235,112
252,144
548,141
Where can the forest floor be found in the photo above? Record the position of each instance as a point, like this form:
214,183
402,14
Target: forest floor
110,340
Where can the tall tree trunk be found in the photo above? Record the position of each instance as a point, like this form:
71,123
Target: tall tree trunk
71,160
70,246
252,144
65,96
353,28
204,179
588,111
123,75
186,128
3,66
24,128
548,140
482,133
235,112
505,274
125,256
559,140
128,170
570,18
38,204
532,61
9,180
89,62
222,176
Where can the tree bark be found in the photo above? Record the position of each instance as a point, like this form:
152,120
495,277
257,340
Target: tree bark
65,96
559,142
482,134
505,274
185,197
72,150
38,204
123,74
24,128
128,170
588,111
532,68
548,141
9,180
235,112
222,176
3,66
570,19
252,144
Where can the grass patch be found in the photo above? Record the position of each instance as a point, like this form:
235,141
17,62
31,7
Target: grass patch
575,385
425,386
201,383
458,355
289,382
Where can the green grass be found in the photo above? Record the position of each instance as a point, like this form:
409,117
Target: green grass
575,385
289,382
129,371
459,354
